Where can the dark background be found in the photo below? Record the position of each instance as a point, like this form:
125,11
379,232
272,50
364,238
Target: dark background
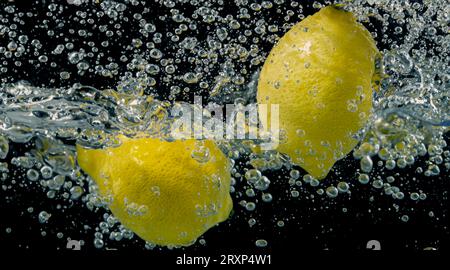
310,223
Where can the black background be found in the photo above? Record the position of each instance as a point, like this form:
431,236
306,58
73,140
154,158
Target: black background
310,224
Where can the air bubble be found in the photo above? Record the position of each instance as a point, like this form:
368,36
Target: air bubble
32,175
332,192
261,243
343,187
44,217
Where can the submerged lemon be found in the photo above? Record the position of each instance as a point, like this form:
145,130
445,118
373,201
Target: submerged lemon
321,74
158,190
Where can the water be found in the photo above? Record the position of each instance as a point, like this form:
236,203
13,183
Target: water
216,53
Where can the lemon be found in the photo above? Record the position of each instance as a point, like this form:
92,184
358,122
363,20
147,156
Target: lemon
168,193
321,74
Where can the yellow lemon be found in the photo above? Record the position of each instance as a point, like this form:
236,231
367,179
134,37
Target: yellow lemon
168,193
321,74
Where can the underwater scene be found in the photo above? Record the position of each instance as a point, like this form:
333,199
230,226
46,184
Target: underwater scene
224,127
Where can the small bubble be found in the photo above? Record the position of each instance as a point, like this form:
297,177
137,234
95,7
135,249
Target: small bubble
44,217
201,154
43,59
250,206
332,192
190,78
363,178
314,182
390,179
32,175
46,172
251,222
250,193
64,75
405,218
156,190
261,243
266,197
300,132
343,187
414,196
366,164
12,46
252,175
262,184
377,184
98,243
390,164
76,192
399,195
295,174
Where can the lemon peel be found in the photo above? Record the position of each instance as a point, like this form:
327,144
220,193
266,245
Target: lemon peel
321,73
158,190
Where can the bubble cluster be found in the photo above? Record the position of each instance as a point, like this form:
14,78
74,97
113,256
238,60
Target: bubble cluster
89,71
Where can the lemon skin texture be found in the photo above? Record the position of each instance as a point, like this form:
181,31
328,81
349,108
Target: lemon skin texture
156,189
320,73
